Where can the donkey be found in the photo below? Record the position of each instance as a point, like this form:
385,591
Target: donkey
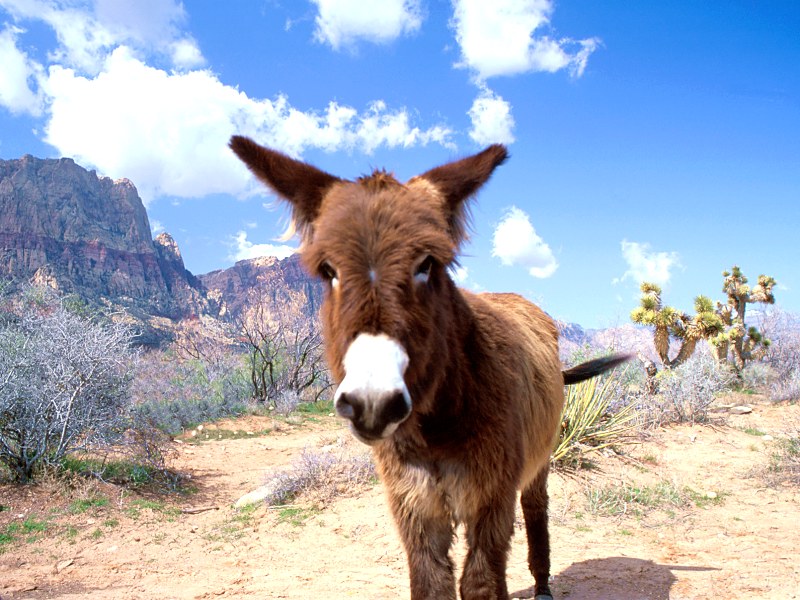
458,394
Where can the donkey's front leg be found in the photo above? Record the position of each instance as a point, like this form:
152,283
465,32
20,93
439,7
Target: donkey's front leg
427,533
488,540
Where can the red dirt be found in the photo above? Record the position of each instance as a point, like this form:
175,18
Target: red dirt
746,543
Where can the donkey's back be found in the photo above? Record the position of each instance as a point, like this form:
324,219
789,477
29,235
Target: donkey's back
524,354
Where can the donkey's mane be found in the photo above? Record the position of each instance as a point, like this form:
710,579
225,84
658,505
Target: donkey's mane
378,181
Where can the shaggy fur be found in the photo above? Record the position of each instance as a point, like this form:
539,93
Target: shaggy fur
483,374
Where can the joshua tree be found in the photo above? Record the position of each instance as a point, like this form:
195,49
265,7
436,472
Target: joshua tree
669,322
742,342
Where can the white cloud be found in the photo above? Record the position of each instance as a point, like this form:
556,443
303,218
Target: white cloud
169,132
517,243
87,31
646,265
497,38
491,118
156,227
460,274
343,22
17,76
244,248
167,129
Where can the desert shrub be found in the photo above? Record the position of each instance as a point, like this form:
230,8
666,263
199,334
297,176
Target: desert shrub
65,383
783,354
323,475
283,350
592,419
685,393
787,388
784,461
758,376
287,401
173,394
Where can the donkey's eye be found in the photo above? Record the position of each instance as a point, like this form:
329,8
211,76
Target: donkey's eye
423,272
328,273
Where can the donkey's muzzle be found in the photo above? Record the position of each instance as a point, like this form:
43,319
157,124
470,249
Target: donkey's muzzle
373,395
374,418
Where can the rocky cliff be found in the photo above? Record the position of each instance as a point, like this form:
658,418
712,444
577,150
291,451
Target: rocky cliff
282,284
68,228
63,226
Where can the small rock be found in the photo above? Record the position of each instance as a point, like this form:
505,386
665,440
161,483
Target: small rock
767,438
710,495
740,410
258,495
63,564
112,549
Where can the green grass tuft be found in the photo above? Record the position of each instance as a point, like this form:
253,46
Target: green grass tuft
82,505
631,499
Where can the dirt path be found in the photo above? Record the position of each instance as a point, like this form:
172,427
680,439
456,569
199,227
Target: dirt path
675,540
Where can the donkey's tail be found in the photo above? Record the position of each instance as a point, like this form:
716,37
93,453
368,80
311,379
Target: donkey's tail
594,367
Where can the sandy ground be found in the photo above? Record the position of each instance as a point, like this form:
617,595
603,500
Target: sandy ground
745,543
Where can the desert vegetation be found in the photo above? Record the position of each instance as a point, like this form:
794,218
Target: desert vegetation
113,429
78,395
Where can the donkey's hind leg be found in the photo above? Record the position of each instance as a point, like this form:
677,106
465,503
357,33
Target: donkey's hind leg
534,508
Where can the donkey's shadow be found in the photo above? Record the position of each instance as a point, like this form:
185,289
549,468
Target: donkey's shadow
616,577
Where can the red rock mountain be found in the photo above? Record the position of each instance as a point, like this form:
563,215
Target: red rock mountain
65,226
68,228
283,284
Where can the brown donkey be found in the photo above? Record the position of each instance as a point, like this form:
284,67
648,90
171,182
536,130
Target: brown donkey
458,394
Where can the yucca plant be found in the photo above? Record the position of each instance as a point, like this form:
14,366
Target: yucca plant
589,422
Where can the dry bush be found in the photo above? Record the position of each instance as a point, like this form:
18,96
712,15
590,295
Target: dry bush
786,390
320,476
684,394
64,383
173,393
783,355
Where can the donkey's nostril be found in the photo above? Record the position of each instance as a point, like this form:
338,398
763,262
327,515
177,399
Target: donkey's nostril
396,408
345,408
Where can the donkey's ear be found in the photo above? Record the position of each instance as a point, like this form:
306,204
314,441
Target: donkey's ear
459,180
302,185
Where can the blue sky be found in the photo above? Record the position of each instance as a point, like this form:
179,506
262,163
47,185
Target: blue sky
648,140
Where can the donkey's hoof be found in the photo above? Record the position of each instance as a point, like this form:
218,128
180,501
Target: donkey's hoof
543,597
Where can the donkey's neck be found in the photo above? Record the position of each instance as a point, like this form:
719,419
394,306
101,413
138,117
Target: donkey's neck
448,406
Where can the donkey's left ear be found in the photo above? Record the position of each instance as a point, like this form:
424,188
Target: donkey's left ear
299,183
459,180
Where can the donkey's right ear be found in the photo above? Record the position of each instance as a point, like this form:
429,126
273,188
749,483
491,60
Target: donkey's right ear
300,184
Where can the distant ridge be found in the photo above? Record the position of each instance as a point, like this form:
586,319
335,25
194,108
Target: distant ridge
63,226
